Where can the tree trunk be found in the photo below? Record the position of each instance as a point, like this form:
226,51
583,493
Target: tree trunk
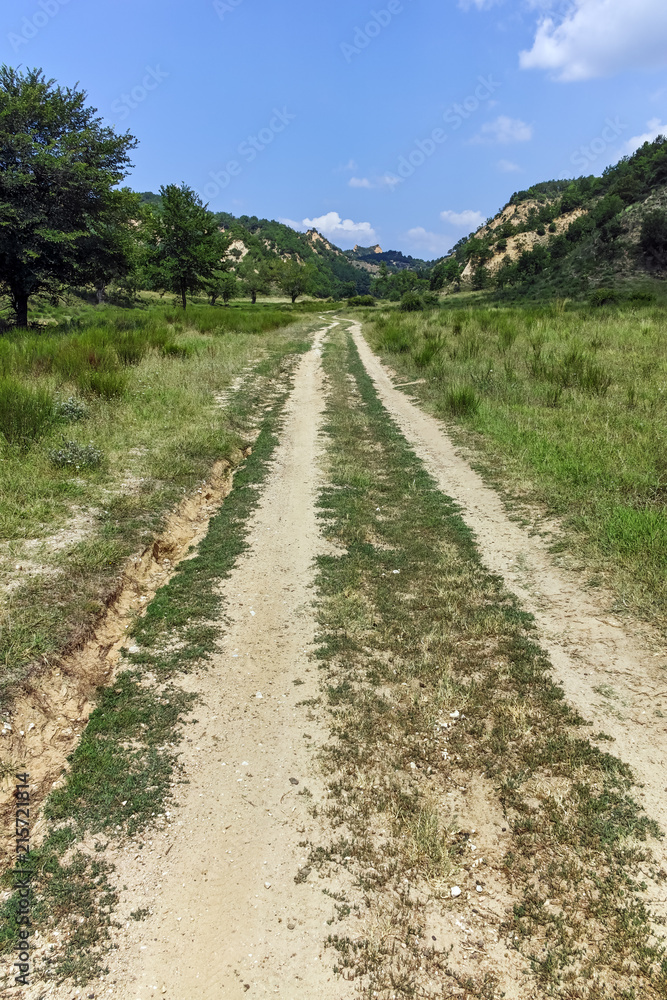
100,294
254,297
183,296
21,308
295,296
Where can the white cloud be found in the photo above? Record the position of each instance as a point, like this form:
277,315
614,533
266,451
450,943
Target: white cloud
465,220
336,228
655,128
433,243
387,180
349,167
479,4
508,167
599,38
504,130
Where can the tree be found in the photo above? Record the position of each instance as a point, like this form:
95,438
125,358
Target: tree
112,246
255,278
58,168
187,246
653,238
444,273
222,285
293,279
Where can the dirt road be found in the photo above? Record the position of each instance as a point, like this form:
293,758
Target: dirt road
233,906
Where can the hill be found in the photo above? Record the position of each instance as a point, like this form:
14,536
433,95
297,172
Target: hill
267,241
373,257
571,236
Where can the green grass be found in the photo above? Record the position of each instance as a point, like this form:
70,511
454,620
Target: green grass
412,628
118,419
566,407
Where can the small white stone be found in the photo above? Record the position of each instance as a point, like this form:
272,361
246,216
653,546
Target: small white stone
455,891
267,885
259,695
480,889
396,572
413,766
134,649
454,715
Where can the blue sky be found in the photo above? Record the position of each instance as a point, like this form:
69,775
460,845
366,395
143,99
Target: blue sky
404,121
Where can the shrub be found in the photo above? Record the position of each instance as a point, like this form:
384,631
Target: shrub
173,350
604,297
641,296
461,401
108,384
396,339
25,414
431,300
131,347
362,300
424,357
412,302
73,455
71,409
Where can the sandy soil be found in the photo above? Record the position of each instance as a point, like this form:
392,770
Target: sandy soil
613,672
235,909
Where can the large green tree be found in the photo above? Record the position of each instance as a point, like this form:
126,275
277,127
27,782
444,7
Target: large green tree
59,166
293,279
113,246
255,276
187,245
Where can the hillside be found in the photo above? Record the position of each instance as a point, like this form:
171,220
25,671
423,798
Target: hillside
371,258
571,236
267,241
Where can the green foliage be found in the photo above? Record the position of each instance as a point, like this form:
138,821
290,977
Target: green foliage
293,279
362,300
653,239
255,275
63,222
72,455
394,286
25,413
411,302
71,409
604,297
461,401
445,273
222,285
186,247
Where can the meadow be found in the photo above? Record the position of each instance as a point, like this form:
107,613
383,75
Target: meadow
108,417
565,408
